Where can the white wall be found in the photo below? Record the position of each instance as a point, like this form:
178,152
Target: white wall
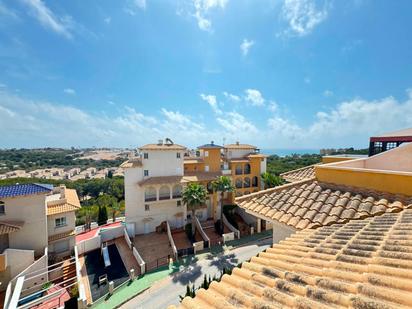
238,153
32,210
163,163
70,223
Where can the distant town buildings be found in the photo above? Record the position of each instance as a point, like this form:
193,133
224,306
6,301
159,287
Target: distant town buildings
64,174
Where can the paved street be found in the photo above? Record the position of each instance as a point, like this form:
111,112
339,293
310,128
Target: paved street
166,292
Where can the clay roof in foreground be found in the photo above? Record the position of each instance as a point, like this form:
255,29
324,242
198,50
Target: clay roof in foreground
360,264
311,204
307,172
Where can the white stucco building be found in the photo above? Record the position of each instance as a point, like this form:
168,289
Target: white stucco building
153,188
34,217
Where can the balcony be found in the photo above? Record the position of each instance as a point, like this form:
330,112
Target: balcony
226,172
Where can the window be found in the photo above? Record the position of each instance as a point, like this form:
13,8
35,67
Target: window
59,222
146,173
209,187
164,193
177,191
246,182
239,183
61,246
147,207
206,168
378,146
178,155
254,181
246,170
2,208
391,145
145,155
150,194
239,169
206,153
178,203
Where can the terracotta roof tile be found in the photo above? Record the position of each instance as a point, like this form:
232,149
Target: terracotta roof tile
307,172
361,264
70,202
313,204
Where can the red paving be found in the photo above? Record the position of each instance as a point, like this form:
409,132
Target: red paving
93,232
56,302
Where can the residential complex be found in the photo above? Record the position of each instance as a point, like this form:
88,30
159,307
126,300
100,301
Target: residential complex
64,174
351,245
34,217
154,181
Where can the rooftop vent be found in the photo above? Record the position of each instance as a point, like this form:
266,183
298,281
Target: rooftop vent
160,142
212,142
237,143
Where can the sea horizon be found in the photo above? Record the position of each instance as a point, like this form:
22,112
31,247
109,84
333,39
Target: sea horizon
288,152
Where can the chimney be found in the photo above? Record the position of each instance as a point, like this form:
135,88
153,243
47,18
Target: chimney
212,142
237,143
160,142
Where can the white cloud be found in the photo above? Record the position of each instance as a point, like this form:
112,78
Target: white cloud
349,123
212,101
236,125
69,91
328,93
273,107
3,85
141,4
7,12
231,97
107,20
111,103
202,10
245,46
31,123
254,97
134,5
60,25
303,16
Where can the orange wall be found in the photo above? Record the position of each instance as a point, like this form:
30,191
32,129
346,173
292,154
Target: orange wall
376,180
327,159
194,167
213,159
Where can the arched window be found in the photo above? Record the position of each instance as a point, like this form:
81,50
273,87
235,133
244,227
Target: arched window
246,182
239,170
239,183
177,191
246,170
164,193
254,181
150,194
2,208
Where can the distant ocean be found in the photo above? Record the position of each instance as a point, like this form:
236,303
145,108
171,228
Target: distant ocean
287,152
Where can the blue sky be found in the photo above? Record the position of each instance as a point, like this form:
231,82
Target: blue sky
278,74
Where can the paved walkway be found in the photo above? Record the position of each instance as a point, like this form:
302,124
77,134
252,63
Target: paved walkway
166,292
153,246
127,256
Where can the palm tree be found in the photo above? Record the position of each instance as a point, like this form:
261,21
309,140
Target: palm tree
271,180
222,184
193,196
117,209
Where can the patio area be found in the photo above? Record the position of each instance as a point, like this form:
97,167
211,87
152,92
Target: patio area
154,248
95,267
180,239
